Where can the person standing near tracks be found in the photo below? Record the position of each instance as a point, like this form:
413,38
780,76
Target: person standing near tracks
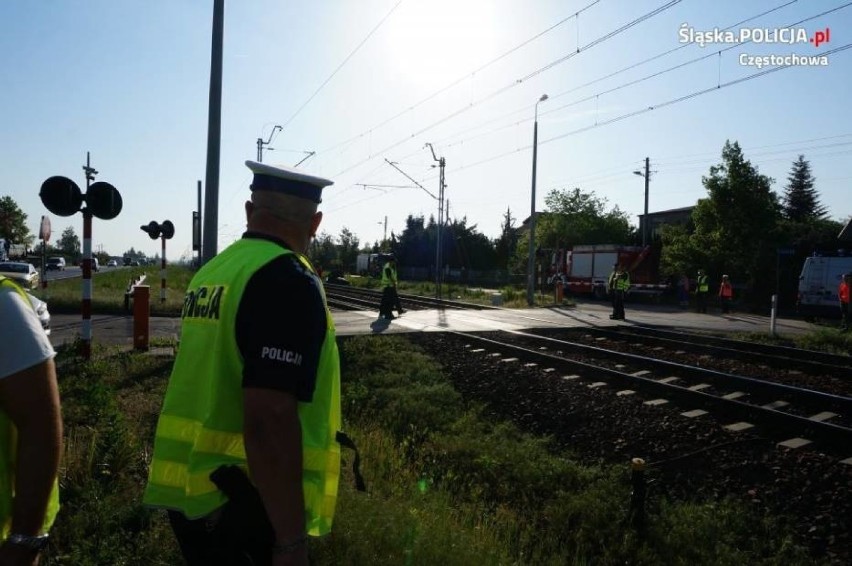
843,291
726,294
610,285
702,288
30,430
622,285
247,449
390,297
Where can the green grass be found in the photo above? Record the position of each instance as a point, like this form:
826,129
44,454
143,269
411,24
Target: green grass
824,339
445,485
109,286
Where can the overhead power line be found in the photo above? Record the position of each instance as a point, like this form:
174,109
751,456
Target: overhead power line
525,110
515,83
461,79
630,83
793,24
673,101
346,60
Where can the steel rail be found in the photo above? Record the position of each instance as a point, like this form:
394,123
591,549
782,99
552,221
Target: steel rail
776,421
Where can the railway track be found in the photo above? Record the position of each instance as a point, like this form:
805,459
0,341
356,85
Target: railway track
793,367
791,415
352,298
809,361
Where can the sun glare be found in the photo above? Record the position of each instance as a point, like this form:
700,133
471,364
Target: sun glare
434,42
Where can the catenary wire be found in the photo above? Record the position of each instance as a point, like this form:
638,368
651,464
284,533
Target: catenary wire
613,89
341,65
501,90
459,80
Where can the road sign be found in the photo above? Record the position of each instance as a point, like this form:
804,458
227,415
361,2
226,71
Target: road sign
44,229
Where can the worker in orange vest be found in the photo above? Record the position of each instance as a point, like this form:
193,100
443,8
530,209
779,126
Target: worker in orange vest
843,293
726,293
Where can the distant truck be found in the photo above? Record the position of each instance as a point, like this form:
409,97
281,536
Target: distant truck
370,264
10,251
586,268
818,285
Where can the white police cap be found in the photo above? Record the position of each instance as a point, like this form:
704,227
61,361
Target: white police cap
287,180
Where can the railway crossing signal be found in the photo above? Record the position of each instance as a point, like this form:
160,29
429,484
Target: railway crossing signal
63,197
164,231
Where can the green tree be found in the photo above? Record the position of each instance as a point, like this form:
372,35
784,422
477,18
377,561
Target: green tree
505,245
69,243
13,223
323,252
348,249
801,200
465,246
576,217
416,244
735,227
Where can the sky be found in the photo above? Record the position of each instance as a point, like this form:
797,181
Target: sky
357,83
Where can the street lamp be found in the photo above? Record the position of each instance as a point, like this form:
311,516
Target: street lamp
646,175
531,263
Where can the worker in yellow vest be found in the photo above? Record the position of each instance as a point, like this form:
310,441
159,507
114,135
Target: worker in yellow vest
246,454
621,287
30,430
702,289
390,296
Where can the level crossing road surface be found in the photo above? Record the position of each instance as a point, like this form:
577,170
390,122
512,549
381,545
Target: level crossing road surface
118,330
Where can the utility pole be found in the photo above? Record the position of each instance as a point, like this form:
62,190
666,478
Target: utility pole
438,260
214,134
645,224
647,175
261,143
440,213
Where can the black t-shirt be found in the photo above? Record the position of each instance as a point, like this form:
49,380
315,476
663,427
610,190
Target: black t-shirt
281,326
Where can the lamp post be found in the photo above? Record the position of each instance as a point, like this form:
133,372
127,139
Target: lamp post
646,175
531,263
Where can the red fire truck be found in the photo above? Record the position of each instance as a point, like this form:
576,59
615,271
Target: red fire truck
586,268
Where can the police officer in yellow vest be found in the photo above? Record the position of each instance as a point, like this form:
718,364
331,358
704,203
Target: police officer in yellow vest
30,430
246,458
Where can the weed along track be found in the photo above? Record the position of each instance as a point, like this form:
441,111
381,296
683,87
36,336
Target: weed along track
779,447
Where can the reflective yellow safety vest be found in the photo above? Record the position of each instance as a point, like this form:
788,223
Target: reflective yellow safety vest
623,283
201,424
8,450
703,287
389,276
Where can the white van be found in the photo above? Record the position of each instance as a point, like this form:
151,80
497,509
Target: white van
818,285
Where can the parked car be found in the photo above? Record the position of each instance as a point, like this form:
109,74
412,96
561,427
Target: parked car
40,308
336,278
24,274
112,263
57,263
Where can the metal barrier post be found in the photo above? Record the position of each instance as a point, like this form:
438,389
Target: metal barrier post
772,319
637,499
141,313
